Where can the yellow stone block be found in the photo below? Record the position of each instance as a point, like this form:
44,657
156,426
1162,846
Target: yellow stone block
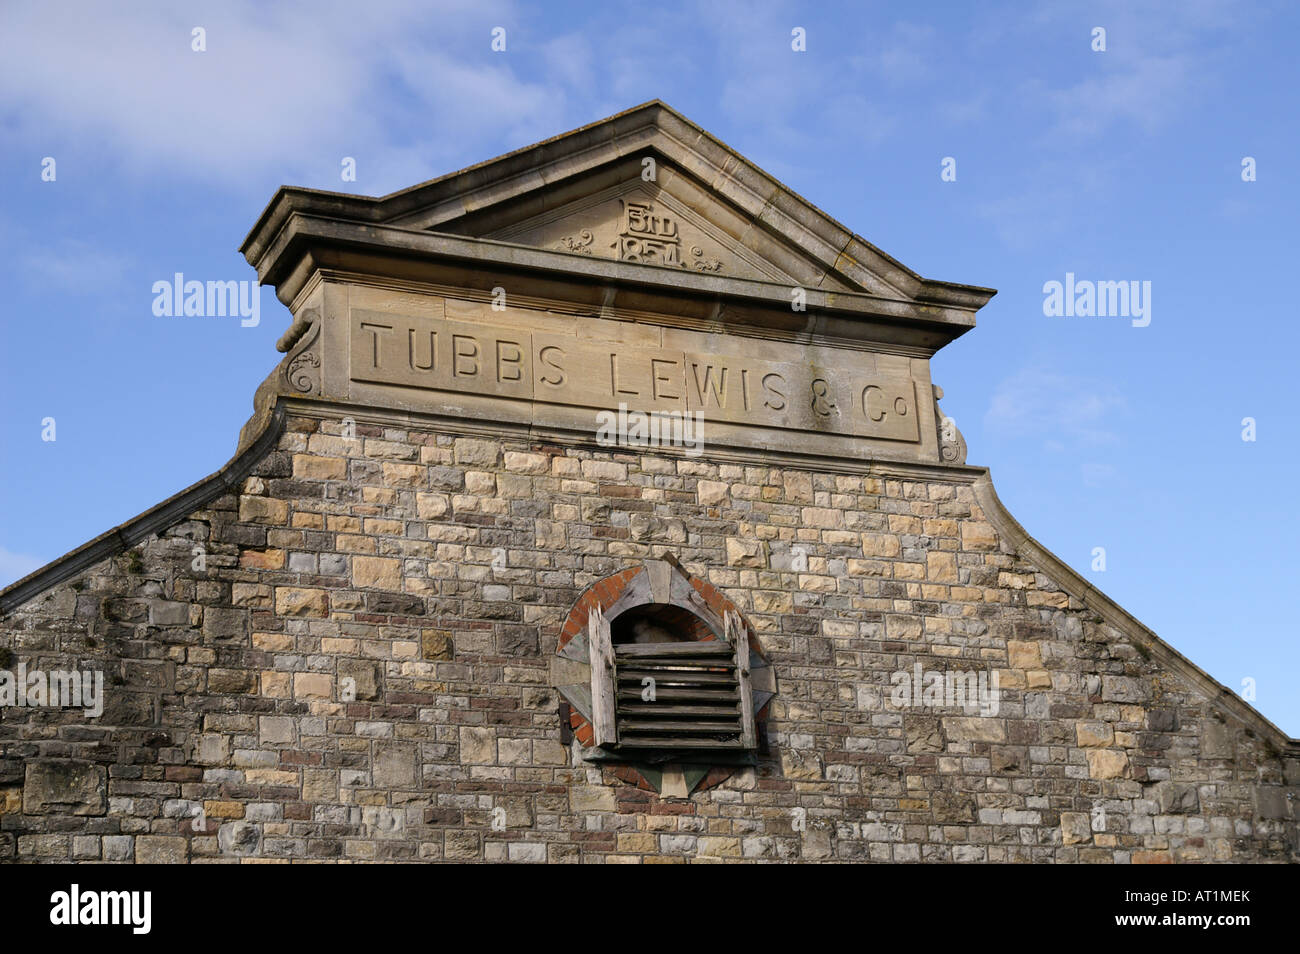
273,642
215,809
1023,655
377,573
1107,763
275,685
307,467
312,685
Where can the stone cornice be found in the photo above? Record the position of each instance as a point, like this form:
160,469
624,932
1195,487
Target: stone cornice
801,329
305,244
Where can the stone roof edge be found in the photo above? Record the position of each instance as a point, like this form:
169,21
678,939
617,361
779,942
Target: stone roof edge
773,201
152,521
1120,619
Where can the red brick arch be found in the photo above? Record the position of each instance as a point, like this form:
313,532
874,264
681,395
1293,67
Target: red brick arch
605,593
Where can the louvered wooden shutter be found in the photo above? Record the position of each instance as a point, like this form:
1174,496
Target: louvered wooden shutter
738,637
685,695
604,722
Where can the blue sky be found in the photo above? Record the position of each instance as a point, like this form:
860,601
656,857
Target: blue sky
1123,165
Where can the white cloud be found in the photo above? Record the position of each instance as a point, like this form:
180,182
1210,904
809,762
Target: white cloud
279,91
1146,92
1162,60
284,92
1061,411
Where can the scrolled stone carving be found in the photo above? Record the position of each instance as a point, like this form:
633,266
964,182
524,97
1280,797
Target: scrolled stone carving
581,243
952,446
705,264
303,372
301,369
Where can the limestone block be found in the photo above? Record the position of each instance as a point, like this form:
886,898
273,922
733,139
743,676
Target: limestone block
711,492
396,765
431,506
64,788
479,453
1123,689
1107,763
1024,655
312,685
978,535
941,566
308,467
435,644
364,675
974,729
300,601
161,850
376,573
1094,734
592,798
1178,798
531,464
266,510
744,552
477,746
276,730
1076,828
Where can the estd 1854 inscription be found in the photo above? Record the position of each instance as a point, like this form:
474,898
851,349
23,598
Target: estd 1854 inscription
442,355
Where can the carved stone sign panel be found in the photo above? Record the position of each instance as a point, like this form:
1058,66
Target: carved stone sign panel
862,394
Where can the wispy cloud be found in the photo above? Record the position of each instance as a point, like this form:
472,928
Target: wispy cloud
1162,60
74,266
1062,412
1140,92
15,566
904,53
790,99
279,91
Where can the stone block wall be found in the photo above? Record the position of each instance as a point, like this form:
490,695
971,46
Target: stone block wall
359,672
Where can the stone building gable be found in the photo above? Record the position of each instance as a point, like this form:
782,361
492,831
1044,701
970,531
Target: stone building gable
343,645
371,559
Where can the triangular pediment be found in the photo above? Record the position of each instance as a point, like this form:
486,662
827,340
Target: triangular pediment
647,224
646,188
649,187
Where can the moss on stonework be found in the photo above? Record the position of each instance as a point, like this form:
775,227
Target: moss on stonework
134,562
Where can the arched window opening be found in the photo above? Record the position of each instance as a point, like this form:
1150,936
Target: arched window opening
658,623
